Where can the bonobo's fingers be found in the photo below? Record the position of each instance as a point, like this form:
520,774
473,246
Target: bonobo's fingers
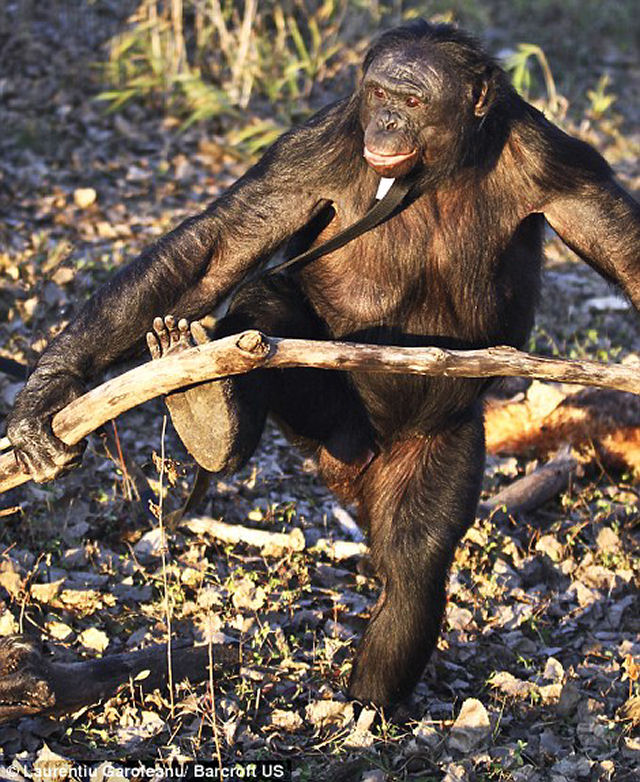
162,334
199,333
51,459
39,451
154,346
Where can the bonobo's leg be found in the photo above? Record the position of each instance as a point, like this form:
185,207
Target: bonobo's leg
221,421
420,497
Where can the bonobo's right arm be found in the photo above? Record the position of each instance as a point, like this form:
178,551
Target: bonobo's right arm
184,272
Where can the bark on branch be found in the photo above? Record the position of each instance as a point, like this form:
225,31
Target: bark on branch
252,350
533,490
31,683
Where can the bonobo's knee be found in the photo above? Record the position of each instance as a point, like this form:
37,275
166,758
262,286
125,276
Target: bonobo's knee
275,305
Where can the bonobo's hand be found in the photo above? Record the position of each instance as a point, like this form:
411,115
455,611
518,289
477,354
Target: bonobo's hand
40,452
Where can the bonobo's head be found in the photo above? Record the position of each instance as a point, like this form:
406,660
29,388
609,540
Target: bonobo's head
425,89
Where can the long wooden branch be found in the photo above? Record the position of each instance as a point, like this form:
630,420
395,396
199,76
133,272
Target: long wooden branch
252,350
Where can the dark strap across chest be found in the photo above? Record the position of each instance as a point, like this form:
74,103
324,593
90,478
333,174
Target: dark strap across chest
378,213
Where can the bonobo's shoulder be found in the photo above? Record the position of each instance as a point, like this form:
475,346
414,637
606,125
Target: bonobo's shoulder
330,123
561,159
327,137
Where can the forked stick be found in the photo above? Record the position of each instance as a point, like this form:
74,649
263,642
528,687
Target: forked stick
249,350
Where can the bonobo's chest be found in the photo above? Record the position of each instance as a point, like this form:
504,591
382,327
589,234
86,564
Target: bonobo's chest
444,265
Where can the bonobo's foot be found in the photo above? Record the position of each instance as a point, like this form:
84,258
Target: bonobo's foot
206,416
25,679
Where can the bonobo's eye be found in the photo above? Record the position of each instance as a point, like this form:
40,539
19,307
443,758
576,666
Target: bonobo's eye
378,93
412,102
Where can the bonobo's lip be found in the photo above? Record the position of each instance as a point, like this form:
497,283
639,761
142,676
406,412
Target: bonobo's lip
377,160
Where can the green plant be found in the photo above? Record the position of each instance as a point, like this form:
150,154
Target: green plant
204,101
519,65
200,60
600,100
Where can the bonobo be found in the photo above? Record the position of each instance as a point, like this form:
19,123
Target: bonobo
456,266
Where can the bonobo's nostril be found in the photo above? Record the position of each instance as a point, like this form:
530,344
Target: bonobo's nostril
387,121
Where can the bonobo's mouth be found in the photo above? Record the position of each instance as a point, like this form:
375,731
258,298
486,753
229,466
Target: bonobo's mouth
390,164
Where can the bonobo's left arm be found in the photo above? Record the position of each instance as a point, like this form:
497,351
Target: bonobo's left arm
594,215
602,225
185,272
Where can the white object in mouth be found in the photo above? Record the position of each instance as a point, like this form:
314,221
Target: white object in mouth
384,187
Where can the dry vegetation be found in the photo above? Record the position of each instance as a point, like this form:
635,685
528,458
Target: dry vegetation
537,672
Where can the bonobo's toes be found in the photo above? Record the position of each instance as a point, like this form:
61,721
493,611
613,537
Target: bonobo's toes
162,334
25,679
174,334
206,415
198,333
169,337
184,340
154,346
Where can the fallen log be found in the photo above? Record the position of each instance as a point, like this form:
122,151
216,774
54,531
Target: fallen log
252,350
532,490
31,683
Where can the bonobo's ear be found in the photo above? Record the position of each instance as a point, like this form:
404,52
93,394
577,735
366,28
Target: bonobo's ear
485,91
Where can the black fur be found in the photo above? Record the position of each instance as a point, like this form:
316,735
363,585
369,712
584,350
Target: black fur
14,369
459,267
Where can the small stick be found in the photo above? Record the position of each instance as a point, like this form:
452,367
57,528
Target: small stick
236,533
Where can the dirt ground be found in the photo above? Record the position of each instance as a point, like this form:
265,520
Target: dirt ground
537,672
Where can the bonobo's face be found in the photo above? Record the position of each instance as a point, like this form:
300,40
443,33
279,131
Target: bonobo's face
411,111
